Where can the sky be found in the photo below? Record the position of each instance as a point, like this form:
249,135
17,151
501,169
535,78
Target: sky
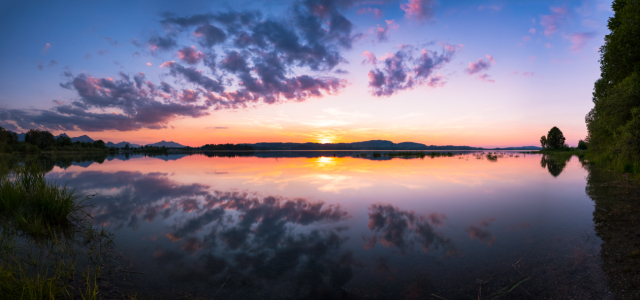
476,73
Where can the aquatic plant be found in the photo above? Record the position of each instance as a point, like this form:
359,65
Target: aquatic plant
47,239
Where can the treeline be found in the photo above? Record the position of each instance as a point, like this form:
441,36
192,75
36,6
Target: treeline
36,141
614,121
224,147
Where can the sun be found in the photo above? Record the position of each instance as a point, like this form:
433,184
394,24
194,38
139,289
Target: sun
326,140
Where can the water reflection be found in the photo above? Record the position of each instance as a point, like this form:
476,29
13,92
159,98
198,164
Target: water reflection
317,226
393,227
554,163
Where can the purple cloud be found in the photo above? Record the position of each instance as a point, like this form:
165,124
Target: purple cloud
552,22
579,40
402,71
420,10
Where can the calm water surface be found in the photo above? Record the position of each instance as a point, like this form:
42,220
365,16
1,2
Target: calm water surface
311,225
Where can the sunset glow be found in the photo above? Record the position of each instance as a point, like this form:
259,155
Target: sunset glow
438,73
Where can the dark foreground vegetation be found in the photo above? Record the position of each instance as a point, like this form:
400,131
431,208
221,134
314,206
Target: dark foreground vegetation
48,247
614,122
37,141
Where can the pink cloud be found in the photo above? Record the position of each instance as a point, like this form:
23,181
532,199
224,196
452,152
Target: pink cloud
46,48
436,81
376,12
168,64
382,32
420,10
532,31
480,65
57,102
526,38
188,96
369,58
451,48
548,45
552,22
527,74
190,55
149,64
579,40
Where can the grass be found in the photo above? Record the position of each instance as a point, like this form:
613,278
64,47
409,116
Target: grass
36,205
48,246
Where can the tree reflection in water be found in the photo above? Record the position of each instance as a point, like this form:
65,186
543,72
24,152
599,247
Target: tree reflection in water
554,163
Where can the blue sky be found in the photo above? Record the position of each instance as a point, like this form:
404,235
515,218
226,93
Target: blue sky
500,72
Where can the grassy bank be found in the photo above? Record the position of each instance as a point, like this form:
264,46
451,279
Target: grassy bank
48,247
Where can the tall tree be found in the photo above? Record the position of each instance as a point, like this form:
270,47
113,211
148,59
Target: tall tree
614,122
33,137
555,139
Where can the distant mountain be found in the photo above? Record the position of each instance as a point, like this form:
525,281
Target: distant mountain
372,145
122,145
167,144
82,138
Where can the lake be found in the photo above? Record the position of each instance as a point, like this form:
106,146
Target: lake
347,225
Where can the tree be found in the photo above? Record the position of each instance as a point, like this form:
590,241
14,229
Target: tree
8,137
98,144
555,139
46,140
614,121
543,142
126,147
63,141
582,145
33,137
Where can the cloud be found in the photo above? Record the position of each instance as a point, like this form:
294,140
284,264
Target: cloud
401,70
548,45
552,22
52,63
480,66
188,96
217,127
419,10
46,48
190,55
579,40
532,31
403,229
157,42
483,235
40,67
87,56
376,12
369,58
210,35
132,105
112,42
526,38
102,52
382,32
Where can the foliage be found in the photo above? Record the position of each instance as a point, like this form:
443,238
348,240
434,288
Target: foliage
582,145
614,121
37,141
554,139
34,204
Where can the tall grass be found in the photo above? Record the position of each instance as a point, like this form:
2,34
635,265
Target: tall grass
47,239
34,203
